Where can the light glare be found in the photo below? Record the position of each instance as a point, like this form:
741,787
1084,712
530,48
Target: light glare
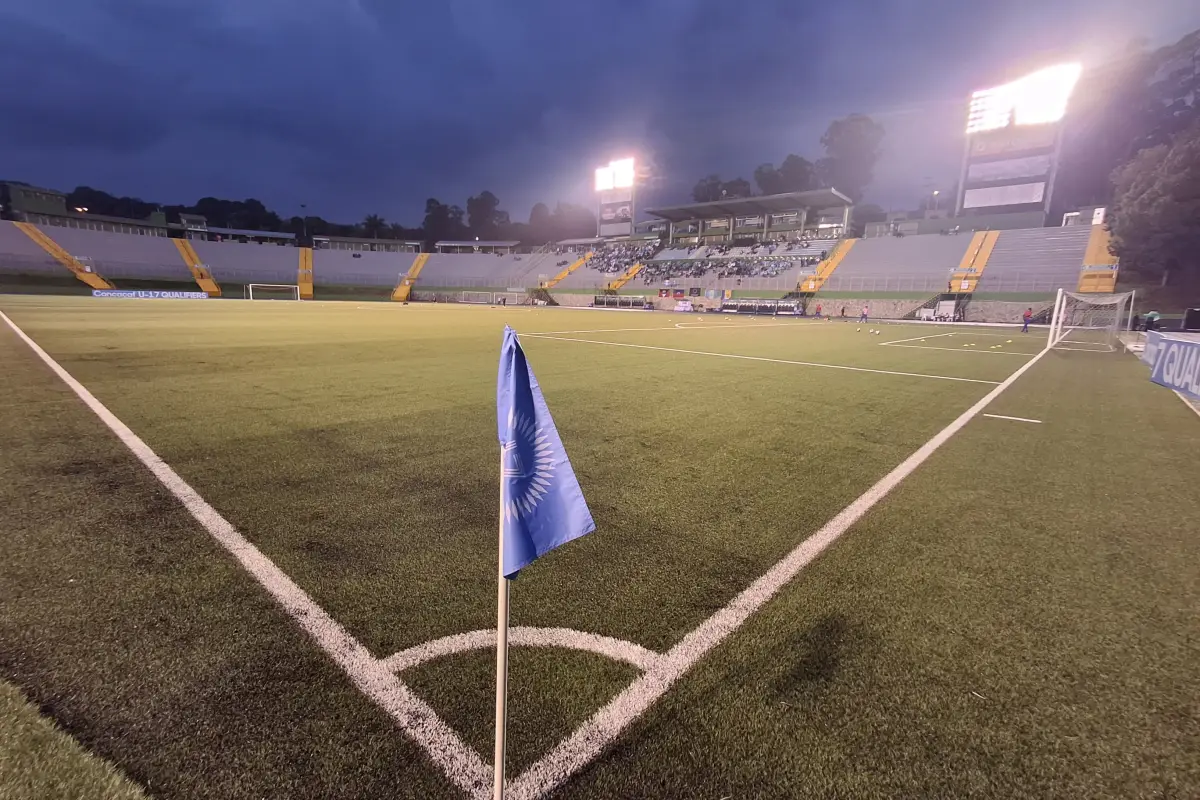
622,172
604,179
1033,100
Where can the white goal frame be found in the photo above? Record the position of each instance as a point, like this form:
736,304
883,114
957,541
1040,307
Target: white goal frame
493,298
1094,322
248,292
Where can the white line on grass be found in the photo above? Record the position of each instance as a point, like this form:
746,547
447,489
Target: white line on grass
1194,405
918,338
1014,419
580,748
461,764
616,649
960,350
759,358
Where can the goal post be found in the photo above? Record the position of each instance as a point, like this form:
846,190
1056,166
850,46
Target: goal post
1089,321
494,298
271,291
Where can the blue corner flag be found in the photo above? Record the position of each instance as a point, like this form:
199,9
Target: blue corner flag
542,505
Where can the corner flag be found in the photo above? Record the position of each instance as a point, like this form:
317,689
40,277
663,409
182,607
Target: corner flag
541,504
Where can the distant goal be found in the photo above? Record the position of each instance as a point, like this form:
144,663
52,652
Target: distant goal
494,298
1089,321
271,291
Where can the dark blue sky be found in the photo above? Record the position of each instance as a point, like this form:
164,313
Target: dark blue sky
370,106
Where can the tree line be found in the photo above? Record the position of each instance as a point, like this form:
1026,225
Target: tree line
851,145
482,218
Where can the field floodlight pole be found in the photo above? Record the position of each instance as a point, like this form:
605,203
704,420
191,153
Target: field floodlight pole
502,587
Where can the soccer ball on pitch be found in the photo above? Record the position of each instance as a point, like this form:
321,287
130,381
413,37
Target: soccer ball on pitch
878,332
858,329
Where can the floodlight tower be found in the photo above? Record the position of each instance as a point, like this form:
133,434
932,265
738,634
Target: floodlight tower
615,198
1014,140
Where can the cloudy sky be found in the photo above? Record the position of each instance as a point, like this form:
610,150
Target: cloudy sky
371,106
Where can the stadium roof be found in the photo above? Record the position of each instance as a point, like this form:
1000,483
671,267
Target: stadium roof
766,204
474,243
592,240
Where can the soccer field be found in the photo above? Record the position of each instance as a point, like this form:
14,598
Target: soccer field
822,567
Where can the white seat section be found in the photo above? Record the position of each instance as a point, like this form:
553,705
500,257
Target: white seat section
1036,260
909,263
249,263
123,255
20,254
354,268
480,270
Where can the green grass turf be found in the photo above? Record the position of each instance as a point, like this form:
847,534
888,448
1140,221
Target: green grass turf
1042,566
38,760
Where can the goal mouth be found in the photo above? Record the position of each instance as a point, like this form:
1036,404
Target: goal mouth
1093,322
271,291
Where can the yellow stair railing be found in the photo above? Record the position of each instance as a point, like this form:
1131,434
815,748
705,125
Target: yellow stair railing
62,256
1099,270
550,284
200,273
304,274
404,289
626,277
813,283
974,261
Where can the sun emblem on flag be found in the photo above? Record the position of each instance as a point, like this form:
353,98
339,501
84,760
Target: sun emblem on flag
528,466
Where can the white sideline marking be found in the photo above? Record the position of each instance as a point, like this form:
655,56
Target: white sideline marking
918,338
759,358
1014,419
461,764
961,350
581,747
1192,404
616,649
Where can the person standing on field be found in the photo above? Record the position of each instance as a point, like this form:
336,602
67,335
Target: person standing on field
863,316
1026,318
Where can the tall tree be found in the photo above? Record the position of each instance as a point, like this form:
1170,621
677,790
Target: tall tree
373,225
797,174
707,189
862,216
573,222
443,222
1155,218
482,214
768,179
852,146
738,187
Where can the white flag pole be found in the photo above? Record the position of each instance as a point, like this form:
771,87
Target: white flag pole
502,585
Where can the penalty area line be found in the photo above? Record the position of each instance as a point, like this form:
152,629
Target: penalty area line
590,739
761,358
1014,419
461,765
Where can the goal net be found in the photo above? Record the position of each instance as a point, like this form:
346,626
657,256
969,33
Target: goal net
1089,321
494,298
271,291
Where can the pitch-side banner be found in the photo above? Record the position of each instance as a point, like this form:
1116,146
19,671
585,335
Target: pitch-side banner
1174,362
149,294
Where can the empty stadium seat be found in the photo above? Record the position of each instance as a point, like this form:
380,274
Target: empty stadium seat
1036,260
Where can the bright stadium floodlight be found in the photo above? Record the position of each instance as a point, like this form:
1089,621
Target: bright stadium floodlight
604,179
1036,99
623,174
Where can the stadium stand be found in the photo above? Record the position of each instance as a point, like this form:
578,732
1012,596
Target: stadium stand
21,255
121,255
1035,260
897,264
248,263
86,272
486,271
355,268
